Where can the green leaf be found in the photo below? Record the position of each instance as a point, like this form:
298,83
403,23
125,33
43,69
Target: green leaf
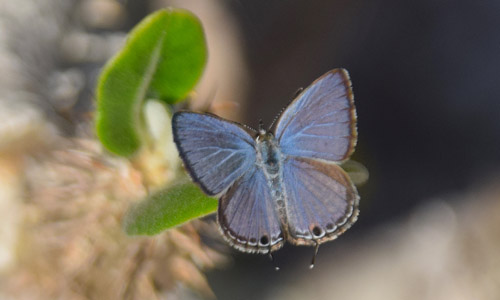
163,58
356,171
168,208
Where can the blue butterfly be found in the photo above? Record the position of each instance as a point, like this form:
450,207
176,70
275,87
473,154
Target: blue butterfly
281,184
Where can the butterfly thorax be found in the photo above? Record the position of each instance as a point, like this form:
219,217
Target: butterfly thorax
268,154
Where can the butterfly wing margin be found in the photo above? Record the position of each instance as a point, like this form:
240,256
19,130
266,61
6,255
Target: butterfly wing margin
247,216
215,152
321,122
321,201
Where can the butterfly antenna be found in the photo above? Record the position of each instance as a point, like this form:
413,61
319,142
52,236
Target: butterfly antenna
299,90
249,127
284,108
271,258
313,261
277,117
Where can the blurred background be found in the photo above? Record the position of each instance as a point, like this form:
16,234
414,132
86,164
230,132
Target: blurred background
425,80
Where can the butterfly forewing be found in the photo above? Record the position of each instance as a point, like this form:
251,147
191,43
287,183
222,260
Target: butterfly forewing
247,216
321,121
321,201
215,152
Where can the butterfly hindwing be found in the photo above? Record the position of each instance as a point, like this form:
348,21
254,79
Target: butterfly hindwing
247,215
216,152
321,200
321,121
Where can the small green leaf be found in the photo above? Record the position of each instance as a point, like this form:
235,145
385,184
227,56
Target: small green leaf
356,171
168,208
163,58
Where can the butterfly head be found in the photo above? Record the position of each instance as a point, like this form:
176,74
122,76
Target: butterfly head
263,134
262,130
